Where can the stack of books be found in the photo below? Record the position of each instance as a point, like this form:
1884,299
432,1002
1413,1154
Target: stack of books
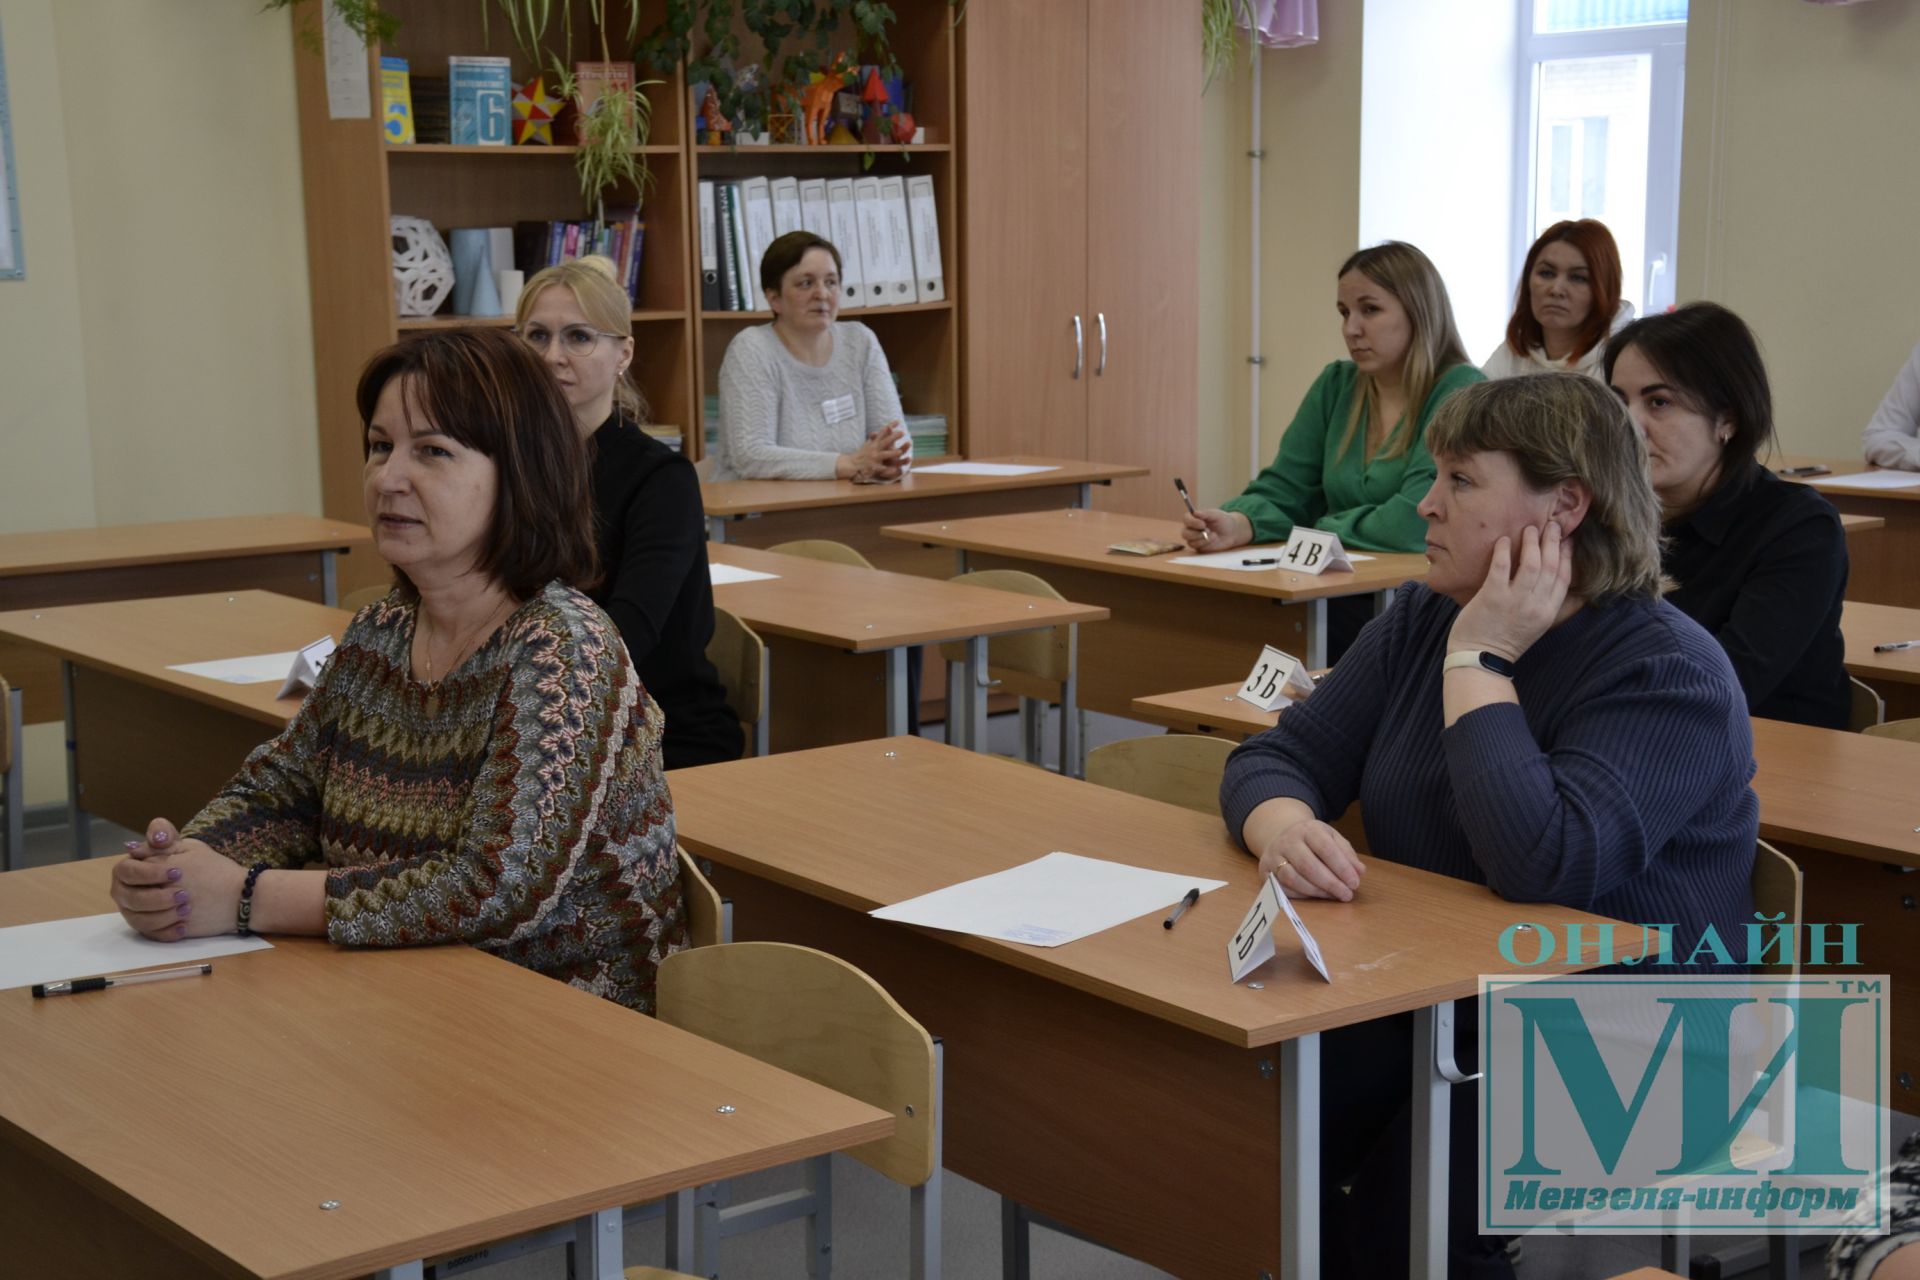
621,237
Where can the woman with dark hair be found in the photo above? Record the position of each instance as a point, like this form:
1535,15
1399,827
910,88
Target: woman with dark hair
478,762
646,504
1757,561
1533,717
808,397
1567,303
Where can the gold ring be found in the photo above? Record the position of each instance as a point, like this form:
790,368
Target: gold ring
1284,864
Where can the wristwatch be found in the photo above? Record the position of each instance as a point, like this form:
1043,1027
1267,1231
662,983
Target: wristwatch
1481,658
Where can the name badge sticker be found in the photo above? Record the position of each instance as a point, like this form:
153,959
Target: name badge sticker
837,410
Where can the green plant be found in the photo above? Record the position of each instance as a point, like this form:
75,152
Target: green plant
1219,37
365,18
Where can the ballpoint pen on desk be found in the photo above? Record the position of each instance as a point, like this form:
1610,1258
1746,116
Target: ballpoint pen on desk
1206,534
73,986
1193,896
1896,646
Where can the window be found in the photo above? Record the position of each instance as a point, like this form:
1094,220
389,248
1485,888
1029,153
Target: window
1598,133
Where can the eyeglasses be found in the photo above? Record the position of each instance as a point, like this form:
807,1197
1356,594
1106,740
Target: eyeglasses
578,339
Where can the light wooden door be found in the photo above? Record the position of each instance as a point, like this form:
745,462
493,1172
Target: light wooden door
1143,246
1026,226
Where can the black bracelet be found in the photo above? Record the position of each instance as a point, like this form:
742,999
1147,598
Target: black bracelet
245,918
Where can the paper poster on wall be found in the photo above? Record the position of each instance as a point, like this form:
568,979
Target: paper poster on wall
12,265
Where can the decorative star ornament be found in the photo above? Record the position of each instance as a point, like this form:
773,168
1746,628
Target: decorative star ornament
533,112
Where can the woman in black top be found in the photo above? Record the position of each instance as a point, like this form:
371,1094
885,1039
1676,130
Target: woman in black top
1760,563
646,502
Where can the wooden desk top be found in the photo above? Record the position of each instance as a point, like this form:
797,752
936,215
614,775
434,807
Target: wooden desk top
1080,539
941,815
1213,708
223,1110
1841,467
866,610
71,550
1866,625
140,639
744,497
1842,792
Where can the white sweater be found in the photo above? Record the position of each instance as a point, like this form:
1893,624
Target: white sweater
1892,439
774,409
1504,363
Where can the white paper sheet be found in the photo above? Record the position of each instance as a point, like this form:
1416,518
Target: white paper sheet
1870,480
981,469
349,86
88,946
259,668
1050,901
1236,559
723,574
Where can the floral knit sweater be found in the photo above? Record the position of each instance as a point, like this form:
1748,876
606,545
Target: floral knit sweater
517,805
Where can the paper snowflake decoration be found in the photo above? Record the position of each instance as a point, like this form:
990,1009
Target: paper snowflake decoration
422,267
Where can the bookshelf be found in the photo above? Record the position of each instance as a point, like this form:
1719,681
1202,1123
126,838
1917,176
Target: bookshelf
355,181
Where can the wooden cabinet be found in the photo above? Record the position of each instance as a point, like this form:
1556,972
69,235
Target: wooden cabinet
1080,234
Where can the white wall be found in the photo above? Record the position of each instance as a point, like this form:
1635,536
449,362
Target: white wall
1436,147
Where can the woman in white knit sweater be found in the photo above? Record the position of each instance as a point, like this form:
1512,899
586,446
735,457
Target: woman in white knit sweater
1892,439
808,397
1567,303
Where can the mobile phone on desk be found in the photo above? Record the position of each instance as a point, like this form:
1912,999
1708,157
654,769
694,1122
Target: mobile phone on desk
1802,472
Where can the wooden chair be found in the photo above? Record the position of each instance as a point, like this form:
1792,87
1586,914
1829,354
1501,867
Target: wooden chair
817,1016
1905,730
709,921
13,803
740,656
823,549
1040,666
355,601
1867,707
1179,768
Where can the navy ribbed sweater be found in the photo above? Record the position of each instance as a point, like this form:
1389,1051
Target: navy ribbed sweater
1618,785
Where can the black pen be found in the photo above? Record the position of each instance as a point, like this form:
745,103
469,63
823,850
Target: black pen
74,986
1207,534
1896,646
1193,896
1260,561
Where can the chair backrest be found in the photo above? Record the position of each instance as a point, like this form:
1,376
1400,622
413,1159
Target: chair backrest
355,601
817,1016
823,549
1178,768
1867,707
1777,892
705,911
1906,730
1042,655
737,652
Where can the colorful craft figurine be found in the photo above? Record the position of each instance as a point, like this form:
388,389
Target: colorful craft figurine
718,126
904,127
816,104
874,95
533,112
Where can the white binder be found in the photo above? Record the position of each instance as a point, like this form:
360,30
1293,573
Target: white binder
930,281
876,250
814,214
901,289
746,270
710,287
844,217
758,199
786,205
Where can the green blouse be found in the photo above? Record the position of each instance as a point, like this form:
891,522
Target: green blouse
1370,505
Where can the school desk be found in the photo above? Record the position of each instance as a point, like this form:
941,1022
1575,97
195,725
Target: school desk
145,742
1120,1084
855,626
310,1112
1206,624
1882,560
1894,676
292,554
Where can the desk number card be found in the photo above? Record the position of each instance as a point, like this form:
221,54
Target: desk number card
1252,944
306,667
1276,680
1314,551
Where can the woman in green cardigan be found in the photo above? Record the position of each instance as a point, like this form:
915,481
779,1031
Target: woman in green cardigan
1354,462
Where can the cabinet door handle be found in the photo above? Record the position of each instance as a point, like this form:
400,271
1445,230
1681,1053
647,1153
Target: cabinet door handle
1079,348
1102,366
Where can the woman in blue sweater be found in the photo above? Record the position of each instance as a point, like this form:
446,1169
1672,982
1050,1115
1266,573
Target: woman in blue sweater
1533,717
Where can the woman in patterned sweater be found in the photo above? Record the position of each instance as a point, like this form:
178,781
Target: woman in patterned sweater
478,762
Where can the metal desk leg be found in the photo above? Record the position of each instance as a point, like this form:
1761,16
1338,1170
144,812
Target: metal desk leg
1434,1075
716,528
599,1249
682,1255
15,797
414,1270
1300,1158
976,682
79,822
959,563
1316,634
329,580
1085,498
897,691
1382,601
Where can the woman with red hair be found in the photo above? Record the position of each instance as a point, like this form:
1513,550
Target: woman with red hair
1567,304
